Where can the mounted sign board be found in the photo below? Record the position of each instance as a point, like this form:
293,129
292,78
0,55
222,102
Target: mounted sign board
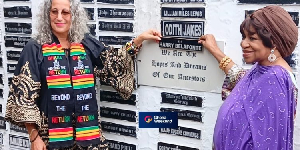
179,69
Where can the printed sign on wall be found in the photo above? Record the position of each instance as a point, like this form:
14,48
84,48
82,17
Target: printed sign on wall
180,69
17,11
22,28
193,12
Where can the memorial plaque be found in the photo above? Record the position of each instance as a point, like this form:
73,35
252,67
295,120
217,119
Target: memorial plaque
16,0
90,13
18,142
115,145
117,1
192,12
181,1
182,131
186,29
116,26
1,93
294,15
115,13
115,40
87,1
0,108
1,62
165,146
13,55
9,81
270,1
17,11
16,41
1,79
180,99
16,128
179,69
185,114
11,68
22,28
1,139
118,114
92,28
109,96
2,123
119,129
182,44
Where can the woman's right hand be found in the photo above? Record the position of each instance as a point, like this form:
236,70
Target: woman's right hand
38,144
209,42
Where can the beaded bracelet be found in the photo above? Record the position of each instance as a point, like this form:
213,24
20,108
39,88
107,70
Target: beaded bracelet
131,48
224,62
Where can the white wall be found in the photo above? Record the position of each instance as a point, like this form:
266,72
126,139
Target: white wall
223,18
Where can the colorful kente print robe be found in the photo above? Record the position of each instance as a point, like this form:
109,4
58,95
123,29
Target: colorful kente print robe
49,83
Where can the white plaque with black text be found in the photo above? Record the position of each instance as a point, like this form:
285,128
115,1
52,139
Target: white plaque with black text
179,69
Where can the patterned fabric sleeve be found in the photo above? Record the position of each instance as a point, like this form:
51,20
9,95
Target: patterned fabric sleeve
234,75
114,67
24,91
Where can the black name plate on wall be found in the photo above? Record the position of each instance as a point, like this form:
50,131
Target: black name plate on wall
1,93
19,142
195,12
13,55
115,97
181,1
1,63
119,129
294,15
16,41
165,146
185,114
13,27
115,40
90,13
92,28
116,26
9,81
2,123
182,131
187,29
0,108
118,114
270,1
87,1
115,13
115,145
183,44
11,68
16,0
117,1
17,128
1,80
18,11
181,99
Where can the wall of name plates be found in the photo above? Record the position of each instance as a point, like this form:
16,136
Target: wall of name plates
175,75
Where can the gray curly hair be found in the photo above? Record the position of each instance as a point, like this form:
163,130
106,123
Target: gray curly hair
78,23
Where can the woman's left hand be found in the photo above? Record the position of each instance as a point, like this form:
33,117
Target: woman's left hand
148,35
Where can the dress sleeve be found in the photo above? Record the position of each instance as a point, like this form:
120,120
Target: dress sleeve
235,74
21,104
114,67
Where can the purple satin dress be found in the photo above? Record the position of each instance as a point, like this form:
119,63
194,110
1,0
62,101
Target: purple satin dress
259,112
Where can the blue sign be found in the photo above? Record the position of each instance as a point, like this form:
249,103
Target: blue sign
158,119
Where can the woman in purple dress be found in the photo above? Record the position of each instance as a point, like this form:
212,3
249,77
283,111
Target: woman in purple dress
260,104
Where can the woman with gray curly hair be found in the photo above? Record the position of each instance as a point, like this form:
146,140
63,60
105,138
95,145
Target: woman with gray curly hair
52,92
